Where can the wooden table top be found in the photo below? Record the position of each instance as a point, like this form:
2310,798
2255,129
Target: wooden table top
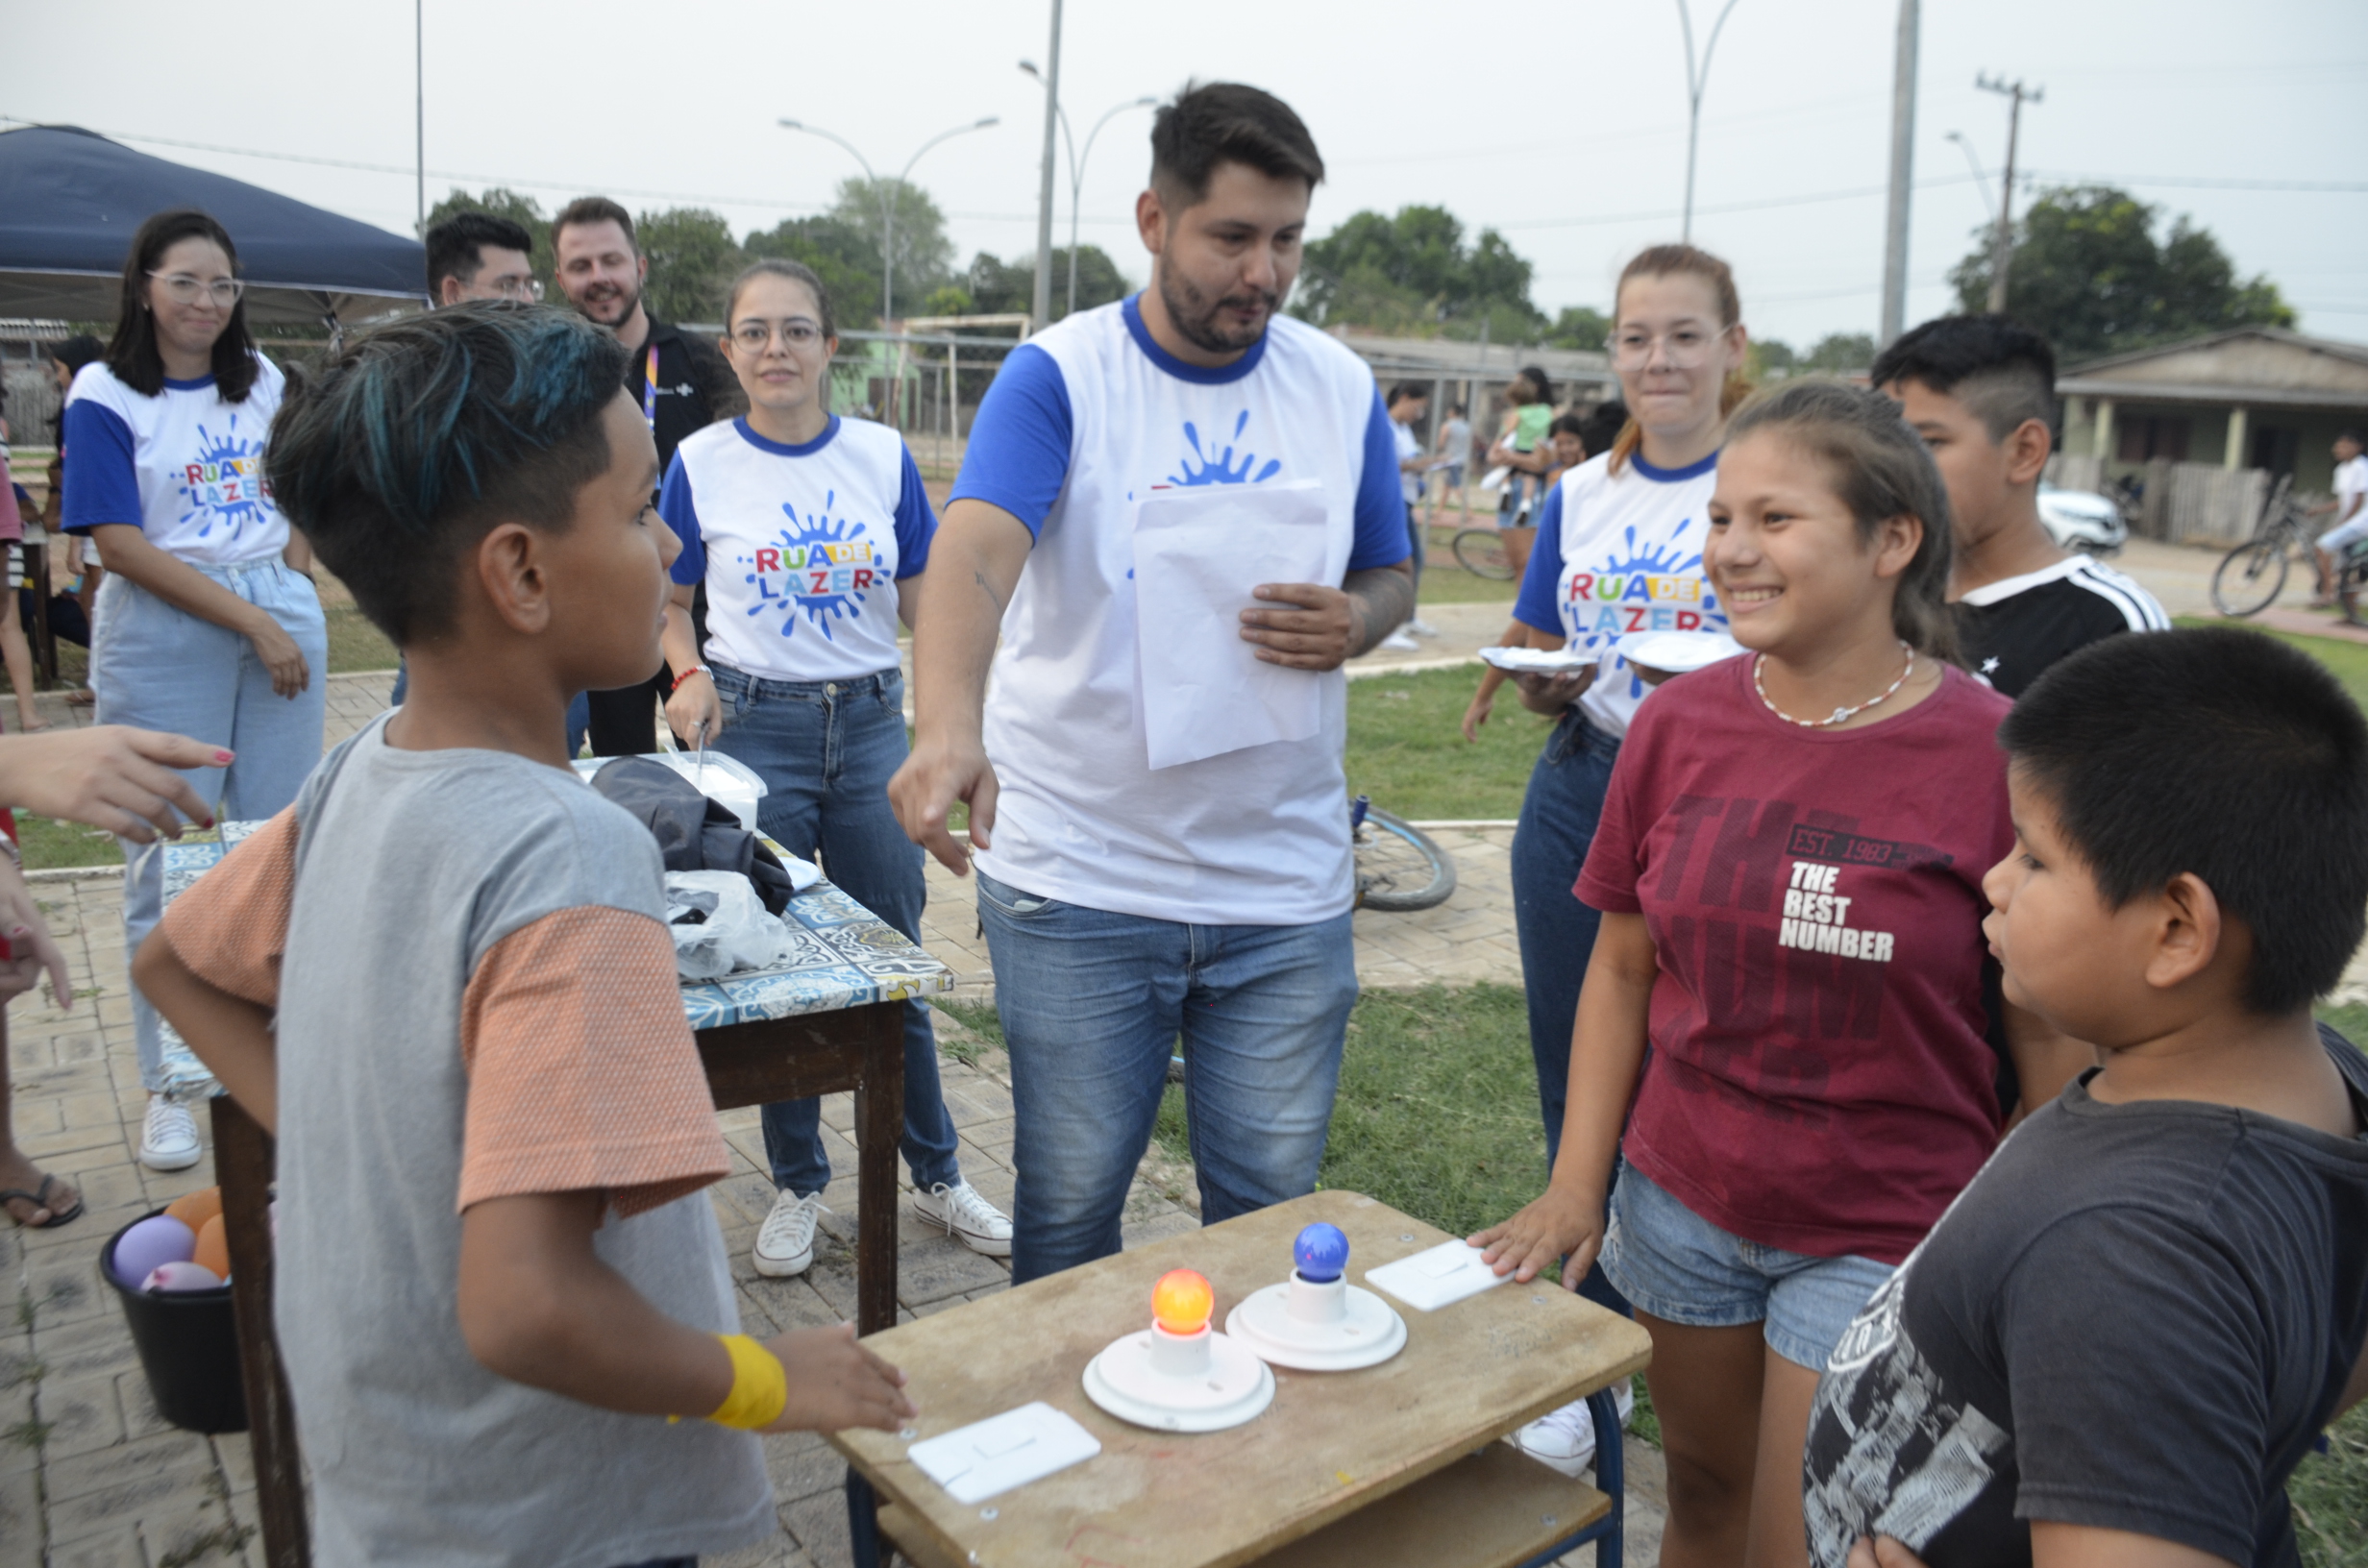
1331,1443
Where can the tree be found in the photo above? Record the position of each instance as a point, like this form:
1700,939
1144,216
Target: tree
845,261
923,254
2088,272
999,288
1413,272
1580,327
693,259
1837,353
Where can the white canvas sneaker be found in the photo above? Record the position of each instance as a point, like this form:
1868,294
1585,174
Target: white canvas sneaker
1398,642
1565,1439
968,1218
168,1136
785,1241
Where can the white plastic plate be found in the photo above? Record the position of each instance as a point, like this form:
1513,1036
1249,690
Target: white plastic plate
1543,661
1676,651
1440,1277
979,1461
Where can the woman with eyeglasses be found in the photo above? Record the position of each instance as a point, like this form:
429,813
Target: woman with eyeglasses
1619,550
810,534
207,624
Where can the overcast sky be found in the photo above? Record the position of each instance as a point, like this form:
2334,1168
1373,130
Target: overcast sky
1561,124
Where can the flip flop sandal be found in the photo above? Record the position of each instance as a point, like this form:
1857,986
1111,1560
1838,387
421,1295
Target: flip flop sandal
41,1200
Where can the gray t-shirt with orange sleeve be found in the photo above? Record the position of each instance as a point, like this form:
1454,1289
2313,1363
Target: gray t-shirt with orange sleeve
476,998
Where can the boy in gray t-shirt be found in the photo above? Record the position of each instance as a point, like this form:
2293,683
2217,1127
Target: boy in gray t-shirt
443,979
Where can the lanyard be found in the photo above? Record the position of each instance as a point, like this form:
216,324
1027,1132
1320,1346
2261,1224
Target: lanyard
649,389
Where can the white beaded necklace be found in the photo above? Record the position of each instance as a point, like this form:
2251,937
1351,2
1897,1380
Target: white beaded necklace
1838,715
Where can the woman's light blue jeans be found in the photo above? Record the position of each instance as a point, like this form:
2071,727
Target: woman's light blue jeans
1092,1003
156,667
826,751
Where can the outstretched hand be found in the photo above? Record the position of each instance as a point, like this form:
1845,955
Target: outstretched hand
31,951
109,776
836,1383
1560,1224
925,789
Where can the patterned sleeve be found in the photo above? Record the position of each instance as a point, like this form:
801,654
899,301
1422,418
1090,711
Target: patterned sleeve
582,1072
231,928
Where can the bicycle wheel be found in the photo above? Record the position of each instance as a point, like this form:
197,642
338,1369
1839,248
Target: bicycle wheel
1398,865
1480,551
2250,578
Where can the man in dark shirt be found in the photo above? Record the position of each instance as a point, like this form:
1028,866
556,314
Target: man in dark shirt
680,382
1982,392
2122,1338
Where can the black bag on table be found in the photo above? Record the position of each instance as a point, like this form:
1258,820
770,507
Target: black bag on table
694,833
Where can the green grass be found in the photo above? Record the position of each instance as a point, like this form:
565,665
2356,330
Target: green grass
2347,661
49,845
354,642
2329,1491
1406,745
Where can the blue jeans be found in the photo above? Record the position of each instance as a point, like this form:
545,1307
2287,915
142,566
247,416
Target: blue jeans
826,751
160,667
1092,1003
1557,932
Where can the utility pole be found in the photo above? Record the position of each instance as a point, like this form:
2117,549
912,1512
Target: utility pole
2002,247
1697,78
1903,174
1042,306
419,107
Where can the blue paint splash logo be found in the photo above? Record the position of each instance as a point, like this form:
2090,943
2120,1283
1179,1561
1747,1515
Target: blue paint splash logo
225,487
1204,467
822,568
1643,588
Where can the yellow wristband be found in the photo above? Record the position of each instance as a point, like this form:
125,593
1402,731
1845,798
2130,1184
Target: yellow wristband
760,1386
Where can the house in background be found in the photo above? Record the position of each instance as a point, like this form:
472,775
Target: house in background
2251,398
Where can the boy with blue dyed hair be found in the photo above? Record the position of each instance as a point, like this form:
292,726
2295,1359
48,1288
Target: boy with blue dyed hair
443,979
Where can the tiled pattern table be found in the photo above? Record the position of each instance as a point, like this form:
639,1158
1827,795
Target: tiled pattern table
829,1019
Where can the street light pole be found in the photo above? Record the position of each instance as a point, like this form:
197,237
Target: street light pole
1903,175
1041,309
888,200
2002,246
419,106
1697,78
1076,168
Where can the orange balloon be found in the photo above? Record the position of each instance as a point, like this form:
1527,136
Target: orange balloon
194,1209
213,1248
1180,1301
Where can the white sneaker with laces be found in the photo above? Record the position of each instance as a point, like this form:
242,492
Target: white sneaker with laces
168,1136
968,1218
1419,627
1565,1439
1398,642
785,1241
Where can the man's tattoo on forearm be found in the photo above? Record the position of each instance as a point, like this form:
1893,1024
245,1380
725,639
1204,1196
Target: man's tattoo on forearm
981,578
1385,598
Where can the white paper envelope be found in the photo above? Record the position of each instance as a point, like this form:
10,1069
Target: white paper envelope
977,1462
1198,552
1436,1277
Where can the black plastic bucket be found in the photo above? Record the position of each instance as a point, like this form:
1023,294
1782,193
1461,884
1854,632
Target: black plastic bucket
189,1347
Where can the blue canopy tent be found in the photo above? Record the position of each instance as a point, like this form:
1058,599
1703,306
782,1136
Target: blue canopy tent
70,200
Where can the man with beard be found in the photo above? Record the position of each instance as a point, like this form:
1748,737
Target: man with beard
681,384
1129,897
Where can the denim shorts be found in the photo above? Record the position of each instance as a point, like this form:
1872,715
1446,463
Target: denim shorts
1680,1267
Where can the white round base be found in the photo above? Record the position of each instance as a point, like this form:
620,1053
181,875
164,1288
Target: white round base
1366,1332
1235,1386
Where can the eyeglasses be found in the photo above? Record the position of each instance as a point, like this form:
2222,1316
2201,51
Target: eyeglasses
519,288
752,336
1685,348
182,289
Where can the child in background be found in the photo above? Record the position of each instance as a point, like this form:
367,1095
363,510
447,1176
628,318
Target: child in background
1981,390
1789,864
443,979
2122,1338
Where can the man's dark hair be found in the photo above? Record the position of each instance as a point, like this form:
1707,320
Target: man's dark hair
588,210
2351,433
2220,753
1539,381
1999,368
1225,122
77,351
132,353
1455,411
421,435
1571,424
1601,425
1408,389
455,247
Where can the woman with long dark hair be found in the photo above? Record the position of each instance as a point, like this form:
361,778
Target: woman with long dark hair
207,622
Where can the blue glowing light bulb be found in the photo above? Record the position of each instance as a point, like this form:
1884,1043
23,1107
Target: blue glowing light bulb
1322,1253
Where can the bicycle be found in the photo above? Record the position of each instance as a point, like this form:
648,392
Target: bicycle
2250,578
1480,551
1400,866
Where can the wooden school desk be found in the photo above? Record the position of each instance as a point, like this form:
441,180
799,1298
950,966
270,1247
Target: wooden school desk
1394,1464
833,1019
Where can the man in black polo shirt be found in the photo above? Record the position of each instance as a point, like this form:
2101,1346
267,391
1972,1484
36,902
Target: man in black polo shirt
681,384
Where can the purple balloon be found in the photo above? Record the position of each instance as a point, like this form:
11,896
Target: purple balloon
153,1241
179,1277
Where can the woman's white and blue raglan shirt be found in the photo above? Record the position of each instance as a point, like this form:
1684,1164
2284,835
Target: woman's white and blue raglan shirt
184,467
800,547
1084,419
1616,553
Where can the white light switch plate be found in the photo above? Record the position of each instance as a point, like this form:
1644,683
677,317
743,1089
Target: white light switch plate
1440,1277
978,1462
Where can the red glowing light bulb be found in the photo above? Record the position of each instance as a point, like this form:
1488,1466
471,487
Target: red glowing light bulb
1181,1301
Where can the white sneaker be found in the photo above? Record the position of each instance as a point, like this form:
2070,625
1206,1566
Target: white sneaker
785,1241
1565,1439
968,1218
1398,642
1421,627
168,1136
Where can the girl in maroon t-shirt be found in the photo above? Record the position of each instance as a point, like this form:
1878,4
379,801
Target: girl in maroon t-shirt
1789,867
